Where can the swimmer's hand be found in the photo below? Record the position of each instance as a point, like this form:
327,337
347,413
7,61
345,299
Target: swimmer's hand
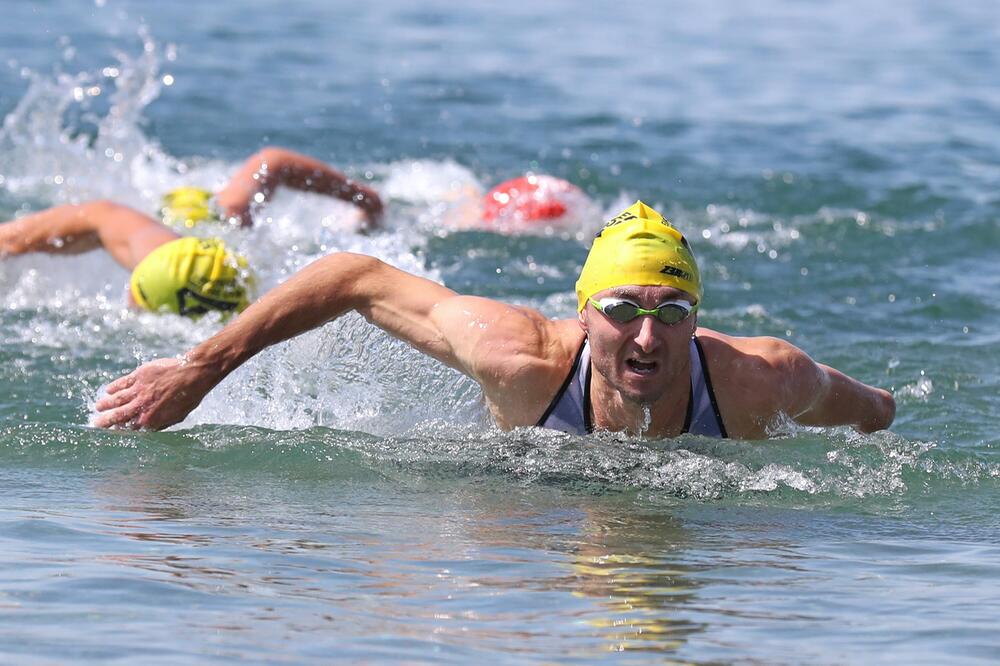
154,396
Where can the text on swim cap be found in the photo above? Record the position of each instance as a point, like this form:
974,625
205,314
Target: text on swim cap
618,219
625,216
621,217
675,272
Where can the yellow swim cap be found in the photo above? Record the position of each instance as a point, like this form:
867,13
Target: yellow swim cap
638,247
191,276
187,206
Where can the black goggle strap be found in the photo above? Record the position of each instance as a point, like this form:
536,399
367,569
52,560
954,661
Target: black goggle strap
192,303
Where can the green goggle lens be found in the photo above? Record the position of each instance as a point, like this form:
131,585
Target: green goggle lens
623,311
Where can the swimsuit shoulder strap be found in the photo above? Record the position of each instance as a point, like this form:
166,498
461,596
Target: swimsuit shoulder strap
704,417
568,410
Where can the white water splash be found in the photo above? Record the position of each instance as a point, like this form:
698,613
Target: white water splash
345,375
647,418
919,390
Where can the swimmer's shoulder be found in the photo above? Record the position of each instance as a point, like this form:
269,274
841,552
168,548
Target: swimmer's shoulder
520,358
511,343
750,377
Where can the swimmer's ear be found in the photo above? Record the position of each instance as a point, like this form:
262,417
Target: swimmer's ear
581,319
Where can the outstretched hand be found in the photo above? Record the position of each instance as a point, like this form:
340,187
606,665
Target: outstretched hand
154,396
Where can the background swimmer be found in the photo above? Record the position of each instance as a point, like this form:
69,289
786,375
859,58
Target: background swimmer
188,276
255,182
525,204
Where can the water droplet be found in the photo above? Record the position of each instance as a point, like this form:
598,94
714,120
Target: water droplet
647,419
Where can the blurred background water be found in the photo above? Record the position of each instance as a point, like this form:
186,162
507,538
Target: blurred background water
340,496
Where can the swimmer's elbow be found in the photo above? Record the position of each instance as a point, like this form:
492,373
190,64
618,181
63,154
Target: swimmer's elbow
882,413
889,411
349,268
272,157
348,279
351,263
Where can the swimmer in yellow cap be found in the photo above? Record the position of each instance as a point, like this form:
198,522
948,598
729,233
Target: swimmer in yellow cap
256,181
633,360
251,186
190,276
183,277
186,276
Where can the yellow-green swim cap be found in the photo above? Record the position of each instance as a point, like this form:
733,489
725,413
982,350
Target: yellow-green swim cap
185,207
638,247
191,276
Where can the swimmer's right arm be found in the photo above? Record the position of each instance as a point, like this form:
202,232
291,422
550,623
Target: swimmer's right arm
274,167
126,234
162,393
67,229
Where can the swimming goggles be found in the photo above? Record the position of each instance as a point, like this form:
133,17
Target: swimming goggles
622,311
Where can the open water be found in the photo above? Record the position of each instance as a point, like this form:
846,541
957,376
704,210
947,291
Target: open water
836,164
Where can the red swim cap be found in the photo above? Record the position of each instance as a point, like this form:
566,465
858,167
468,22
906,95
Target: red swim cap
531,198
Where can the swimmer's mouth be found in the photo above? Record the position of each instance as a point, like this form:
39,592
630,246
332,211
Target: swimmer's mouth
641,367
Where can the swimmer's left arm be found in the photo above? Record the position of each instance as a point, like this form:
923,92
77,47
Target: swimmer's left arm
818,395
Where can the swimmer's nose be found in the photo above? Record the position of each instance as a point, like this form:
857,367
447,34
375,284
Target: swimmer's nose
645,337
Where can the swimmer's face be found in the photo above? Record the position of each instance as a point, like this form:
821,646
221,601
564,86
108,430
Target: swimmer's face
642,357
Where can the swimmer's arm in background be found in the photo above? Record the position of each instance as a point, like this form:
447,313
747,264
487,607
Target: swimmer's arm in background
164,392
126,234
270,168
